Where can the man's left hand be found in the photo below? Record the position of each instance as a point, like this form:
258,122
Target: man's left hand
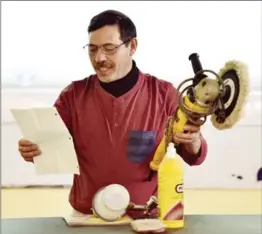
190,138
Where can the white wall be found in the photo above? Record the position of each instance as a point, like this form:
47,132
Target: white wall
43,40
42,47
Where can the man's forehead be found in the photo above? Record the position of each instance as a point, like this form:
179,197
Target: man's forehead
104,35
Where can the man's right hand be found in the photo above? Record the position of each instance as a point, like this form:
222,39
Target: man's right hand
28,150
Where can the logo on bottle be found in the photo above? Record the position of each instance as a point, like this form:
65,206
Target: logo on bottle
179,188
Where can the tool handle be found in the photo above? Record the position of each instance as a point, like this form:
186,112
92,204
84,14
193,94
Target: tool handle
197,67
196,64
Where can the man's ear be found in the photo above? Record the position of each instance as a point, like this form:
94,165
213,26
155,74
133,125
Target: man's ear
133,46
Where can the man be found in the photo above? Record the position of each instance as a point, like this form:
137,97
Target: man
117,117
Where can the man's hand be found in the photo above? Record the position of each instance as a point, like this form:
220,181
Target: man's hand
190,138
28,150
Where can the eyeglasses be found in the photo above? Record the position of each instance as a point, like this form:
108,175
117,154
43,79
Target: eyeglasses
107,49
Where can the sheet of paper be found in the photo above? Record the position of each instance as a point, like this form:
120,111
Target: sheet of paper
79,219
45,127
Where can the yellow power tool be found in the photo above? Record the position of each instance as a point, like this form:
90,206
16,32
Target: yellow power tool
222,97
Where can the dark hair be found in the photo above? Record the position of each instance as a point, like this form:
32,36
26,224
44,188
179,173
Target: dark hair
126,27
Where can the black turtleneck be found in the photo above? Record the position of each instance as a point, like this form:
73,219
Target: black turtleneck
123,85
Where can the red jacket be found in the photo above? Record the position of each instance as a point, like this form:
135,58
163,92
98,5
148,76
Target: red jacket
115,138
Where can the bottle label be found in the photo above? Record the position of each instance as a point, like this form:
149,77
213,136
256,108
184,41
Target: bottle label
171,198
179,188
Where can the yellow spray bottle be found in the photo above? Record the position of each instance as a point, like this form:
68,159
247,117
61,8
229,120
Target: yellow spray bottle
170,189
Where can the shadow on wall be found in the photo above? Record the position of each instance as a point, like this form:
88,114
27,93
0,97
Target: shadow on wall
259,174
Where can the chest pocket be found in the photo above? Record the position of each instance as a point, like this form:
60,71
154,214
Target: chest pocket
140,145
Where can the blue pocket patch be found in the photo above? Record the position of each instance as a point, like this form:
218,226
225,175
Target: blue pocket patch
140,145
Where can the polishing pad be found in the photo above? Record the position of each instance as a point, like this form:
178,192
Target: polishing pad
235,78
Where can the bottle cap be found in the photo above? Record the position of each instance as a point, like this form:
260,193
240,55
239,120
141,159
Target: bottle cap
171,151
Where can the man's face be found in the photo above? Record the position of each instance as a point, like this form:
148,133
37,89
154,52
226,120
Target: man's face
109,63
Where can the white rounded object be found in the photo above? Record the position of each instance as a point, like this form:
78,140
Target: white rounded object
116,197
110,202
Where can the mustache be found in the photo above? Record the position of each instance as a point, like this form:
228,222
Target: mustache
103,64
